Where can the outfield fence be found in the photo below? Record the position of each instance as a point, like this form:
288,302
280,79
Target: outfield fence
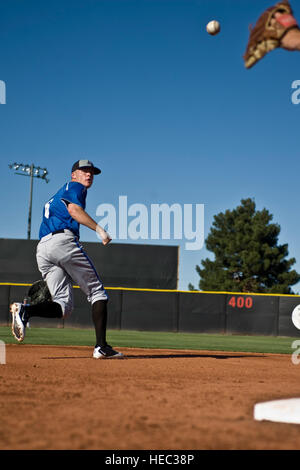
173,311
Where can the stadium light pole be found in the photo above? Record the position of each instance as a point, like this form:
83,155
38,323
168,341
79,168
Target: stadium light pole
33,172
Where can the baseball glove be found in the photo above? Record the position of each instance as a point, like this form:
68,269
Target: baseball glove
39,292
267,35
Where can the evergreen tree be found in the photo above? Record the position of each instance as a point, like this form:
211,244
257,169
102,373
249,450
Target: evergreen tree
248,257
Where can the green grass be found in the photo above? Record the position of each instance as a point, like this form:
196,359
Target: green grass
146,339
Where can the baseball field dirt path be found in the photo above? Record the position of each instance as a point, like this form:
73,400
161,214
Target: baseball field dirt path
55,397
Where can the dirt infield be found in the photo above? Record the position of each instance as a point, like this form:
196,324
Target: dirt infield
55,397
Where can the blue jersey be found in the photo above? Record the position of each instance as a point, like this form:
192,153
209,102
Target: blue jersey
56,215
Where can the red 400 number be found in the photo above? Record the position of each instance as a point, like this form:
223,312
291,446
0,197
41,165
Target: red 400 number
240,302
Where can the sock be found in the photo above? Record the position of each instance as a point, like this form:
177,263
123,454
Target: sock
44,309
99,313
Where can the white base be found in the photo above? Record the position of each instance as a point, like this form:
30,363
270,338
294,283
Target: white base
280,411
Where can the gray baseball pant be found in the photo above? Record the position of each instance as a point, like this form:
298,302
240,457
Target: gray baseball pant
61,261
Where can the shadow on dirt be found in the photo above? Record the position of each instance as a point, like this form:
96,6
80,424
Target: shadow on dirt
168,356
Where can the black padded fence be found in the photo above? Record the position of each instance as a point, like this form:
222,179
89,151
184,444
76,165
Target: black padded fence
118,264
174,311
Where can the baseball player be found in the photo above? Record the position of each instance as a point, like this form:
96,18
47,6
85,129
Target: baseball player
61,260
276,27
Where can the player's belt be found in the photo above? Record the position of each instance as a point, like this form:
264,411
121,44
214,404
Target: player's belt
58,231
62,230
47,237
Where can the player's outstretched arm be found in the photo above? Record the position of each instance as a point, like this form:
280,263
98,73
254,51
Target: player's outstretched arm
82,217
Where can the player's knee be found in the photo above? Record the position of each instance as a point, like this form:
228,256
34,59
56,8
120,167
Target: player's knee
99,295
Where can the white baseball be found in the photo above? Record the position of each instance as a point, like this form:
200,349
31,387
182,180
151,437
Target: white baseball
296,317
213,27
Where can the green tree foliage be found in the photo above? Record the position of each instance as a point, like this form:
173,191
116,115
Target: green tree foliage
248,257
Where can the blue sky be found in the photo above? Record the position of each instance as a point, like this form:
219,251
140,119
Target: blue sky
169,113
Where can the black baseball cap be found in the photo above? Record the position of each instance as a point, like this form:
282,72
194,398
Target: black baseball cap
85,164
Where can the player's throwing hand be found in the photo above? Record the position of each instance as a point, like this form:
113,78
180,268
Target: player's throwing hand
103,235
